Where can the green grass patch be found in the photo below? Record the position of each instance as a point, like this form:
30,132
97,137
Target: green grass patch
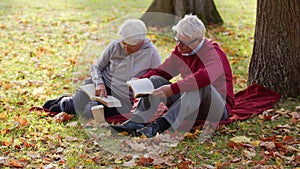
45,50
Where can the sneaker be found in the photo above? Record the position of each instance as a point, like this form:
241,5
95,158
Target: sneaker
55,108
150,131
128,126
52,102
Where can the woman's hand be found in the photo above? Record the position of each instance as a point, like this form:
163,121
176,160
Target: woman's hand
101,90
164,91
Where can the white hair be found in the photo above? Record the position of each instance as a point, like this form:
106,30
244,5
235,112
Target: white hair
133,31
190,26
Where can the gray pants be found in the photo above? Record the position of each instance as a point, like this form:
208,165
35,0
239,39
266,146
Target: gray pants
202,104
80,104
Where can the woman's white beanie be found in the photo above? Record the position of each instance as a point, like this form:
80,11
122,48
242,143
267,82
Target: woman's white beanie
133,31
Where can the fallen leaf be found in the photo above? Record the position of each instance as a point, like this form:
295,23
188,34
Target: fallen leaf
225,164
234,145
189,135
4,131
48,166
62,117
24,122
20,122
61,162
15,163
3,160
25,143
241,139
295,115
271,138
139,147
297,108
72,124
280,146
288,139
169,161
297,158
249,154
268,145
3,115
255,142
282,112
236,159
286,126
208,166
130,163
261,162
218,164
5,143
186,163
123,133
145,161
292,149
38,92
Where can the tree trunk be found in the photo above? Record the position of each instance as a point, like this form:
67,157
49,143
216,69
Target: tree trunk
275,62
168,12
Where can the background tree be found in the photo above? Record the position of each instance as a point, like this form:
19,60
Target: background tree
168,12
275,62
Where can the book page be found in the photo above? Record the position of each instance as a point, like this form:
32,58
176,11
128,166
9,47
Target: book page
108,101
89,89
141,87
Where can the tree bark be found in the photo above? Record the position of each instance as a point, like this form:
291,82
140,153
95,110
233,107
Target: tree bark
168,12
275,62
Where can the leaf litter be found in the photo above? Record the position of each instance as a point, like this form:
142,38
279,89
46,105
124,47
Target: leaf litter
39,46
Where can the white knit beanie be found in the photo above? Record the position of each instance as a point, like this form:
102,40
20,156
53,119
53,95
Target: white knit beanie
133,31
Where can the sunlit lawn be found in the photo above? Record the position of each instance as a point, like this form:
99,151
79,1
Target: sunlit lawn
46,46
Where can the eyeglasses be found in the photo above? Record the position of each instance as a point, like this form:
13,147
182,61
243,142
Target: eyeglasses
185,43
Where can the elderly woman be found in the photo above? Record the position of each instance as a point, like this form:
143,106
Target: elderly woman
123,59
205,90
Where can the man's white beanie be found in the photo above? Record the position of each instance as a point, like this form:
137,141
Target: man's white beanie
133,31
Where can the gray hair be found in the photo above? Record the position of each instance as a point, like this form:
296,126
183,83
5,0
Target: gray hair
133,31
190,26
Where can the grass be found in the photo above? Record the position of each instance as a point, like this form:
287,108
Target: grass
46,48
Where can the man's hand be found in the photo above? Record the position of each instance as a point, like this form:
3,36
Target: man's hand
101,90
164,91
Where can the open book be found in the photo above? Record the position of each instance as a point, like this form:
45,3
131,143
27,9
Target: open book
141,87
108,101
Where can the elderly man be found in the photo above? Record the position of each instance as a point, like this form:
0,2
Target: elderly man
205,90
122,60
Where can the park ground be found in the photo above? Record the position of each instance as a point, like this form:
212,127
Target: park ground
45,50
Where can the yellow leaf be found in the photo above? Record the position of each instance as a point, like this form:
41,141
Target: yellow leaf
218,164
143,136
3,115
197,132
279,161
255,142
117,161
124,133
240,139
5,131
189,135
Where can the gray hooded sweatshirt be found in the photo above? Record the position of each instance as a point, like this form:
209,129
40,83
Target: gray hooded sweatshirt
114,67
